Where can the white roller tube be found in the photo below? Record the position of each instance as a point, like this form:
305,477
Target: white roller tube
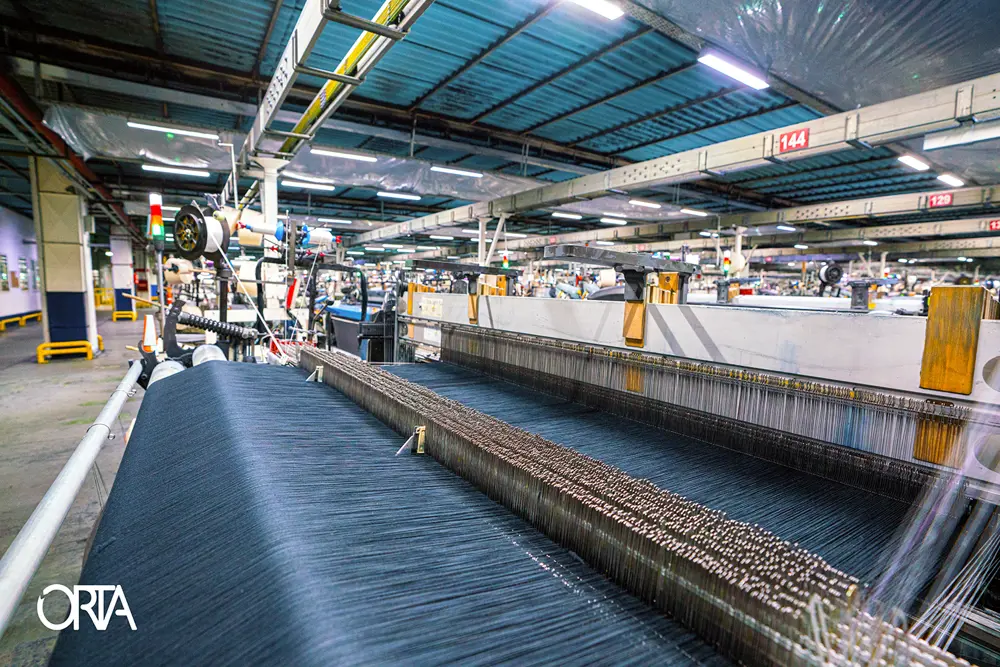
20,563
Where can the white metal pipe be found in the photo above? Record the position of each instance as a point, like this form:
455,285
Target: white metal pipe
482,241
25,554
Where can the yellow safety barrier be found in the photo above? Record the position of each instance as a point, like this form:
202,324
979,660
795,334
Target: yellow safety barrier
67,347
123,315
104,296
9,320
31,316
100,342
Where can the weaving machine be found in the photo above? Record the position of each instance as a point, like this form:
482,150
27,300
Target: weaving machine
740,511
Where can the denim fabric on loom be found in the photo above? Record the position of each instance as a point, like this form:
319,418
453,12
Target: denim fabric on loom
260,519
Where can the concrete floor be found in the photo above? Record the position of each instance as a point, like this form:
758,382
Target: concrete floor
44,412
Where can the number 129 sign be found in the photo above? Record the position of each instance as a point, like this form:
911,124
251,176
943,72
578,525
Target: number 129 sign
793,141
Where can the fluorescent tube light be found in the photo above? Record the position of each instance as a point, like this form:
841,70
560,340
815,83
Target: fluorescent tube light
471,231
398,195
442,238
176,170
914,162
961,136
953,181
428,247
355,252
869,242
392,245
604,242
109,253
566,216
173,130
801,246
343,156
515,235
454,257
647,204
334,221
406,251
961,259
733,71
614,221
793,264
457,172
374,248
704,233
608,10
786,228
691,211
308,186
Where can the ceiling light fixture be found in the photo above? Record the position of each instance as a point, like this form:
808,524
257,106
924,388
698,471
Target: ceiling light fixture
399,195
441,238
454,257
733,71
334,221
614,215
914,162
800,246
604,242
373,248
961,136
515,235
176,170
614,221
457,172
961,259
704,233
786,228
428,247
355,252
566,216
870,243
343,156
470,231
953,181
173,130
691,211
392,245
647,204
308,186
608,10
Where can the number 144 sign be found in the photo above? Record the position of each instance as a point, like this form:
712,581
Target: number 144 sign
793,141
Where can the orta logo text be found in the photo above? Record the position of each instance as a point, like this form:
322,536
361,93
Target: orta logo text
93,603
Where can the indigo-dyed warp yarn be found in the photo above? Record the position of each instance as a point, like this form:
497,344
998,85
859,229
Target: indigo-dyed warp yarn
260,519
850,528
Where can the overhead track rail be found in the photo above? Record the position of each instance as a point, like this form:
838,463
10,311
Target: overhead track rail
907,118
378,35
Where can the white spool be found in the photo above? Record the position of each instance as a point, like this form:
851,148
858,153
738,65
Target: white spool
214,236
205,353
607,278
164,370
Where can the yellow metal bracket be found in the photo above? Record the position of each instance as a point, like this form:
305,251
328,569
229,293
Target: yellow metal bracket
123,315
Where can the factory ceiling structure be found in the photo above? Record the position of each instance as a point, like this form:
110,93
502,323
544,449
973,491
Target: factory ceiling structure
486,99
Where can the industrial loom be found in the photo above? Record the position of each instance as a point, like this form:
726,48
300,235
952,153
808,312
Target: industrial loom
642,481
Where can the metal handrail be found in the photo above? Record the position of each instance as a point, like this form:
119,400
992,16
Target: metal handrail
22,559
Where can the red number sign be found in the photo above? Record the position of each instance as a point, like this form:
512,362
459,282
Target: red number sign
939,200
995,225
793,141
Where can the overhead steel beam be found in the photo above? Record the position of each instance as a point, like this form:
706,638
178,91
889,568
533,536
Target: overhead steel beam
539,14
910,117
659,114
698,130
657,78
617,44
262,51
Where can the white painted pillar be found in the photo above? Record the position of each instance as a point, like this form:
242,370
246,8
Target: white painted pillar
68,312
122,269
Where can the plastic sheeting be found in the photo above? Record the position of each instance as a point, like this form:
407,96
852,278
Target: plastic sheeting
859,52
94,134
